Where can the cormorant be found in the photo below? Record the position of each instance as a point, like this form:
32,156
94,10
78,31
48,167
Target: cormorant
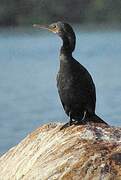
75,85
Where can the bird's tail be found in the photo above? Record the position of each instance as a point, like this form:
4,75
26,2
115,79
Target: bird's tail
97,119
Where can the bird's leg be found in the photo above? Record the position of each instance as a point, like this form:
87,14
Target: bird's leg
70,119
68,123
85,112
83,120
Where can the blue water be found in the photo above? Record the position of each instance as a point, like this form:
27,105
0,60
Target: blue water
28,67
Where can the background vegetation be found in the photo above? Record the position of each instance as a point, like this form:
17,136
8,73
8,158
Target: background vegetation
21,12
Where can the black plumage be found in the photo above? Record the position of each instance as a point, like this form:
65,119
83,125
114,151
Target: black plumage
75,85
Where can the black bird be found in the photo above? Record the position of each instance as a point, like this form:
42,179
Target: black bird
75,85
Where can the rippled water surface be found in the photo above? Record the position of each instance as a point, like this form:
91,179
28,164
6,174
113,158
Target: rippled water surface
28,66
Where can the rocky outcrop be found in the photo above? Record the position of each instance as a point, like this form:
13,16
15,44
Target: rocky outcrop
88,152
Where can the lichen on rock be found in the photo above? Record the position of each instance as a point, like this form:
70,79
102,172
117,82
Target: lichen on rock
85,152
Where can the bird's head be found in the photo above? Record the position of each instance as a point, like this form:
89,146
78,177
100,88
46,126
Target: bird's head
64,30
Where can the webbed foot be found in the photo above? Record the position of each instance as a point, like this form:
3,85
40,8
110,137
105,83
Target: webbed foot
70,123
65,125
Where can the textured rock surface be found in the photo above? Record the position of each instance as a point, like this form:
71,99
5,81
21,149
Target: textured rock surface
88,152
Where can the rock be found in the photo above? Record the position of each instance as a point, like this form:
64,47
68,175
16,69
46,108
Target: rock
88,152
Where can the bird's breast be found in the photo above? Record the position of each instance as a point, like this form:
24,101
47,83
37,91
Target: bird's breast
64,80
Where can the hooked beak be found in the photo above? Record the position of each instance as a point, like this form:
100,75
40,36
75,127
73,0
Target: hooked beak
45,27
41,26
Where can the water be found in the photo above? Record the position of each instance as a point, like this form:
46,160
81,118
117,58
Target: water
28,66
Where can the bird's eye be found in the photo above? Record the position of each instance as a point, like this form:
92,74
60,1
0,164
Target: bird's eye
54,26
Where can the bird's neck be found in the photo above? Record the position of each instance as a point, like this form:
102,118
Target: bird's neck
67,47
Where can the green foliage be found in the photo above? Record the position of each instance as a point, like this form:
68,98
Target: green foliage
17,12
